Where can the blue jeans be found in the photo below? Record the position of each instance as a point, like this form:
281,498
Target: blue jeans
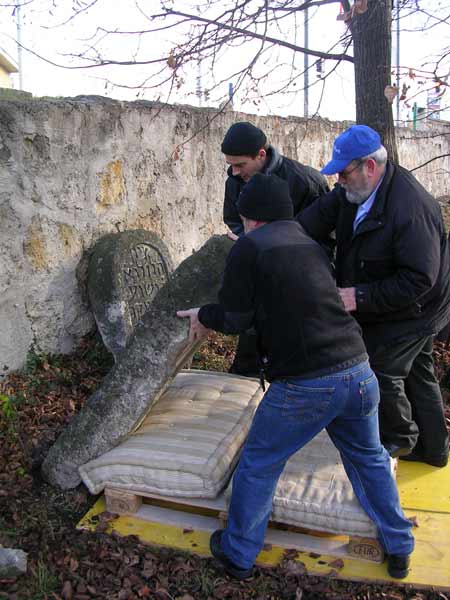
291,413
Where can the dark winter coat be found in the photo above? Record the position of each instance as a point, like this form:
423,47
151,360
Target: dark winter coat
279,280
397,259
305,185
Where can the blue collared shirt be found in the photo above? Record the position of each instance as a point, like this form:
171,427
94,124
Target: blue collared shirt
364,208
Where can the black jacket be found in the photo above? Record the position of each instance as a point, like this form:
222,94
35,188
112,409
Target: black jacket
397,258
279,280
305,185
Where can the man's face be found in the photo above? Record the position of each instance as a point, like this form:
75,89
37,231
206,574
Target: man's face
246,166
249,224
356,181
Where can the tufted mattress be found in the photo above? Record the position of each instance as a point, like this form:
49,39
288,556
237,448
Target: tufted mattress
189,443
315,492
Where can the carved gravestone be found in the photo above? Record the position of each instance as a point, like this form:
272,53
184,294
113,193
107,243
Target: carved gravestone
125,272
156,351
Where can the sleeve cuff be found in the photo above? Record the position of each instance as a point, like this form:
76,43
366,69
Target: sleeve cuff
202,316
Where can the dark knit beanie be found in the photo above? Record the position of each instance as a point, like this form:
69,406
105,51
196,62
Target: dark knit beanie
265,198
243,138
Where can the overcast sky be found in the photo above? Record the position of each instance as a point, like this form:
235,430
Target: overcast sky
42,79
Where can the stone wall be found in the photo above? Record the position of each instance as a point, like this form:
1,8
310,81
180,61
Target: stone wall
72,170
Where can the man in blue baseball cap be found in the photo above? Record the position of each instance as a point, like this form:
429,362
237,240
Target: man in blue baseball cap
393,275
358,141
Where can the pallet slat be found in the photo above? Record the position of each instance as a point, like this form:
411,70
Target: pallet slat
178,512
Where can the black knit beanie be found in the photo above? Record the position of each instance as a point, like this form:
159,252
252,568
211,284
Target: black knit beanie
243,139
265,198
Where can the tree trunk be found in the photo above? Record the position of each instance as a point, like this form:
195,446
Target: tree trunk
371,32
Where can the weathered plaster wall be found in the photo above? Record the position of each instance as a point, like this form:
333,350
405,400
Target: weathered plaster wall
72,170
417,147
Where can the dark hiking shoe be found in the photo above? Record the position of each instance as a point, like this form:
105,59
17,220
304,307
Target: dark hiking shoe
398,565
440,460
229,567
397,451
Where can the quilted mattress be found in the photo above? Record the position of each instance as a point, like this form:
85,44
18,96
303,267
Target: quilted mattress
189,444
315,492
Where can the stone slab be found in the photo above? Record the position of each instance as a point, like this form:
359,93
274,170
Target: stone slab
125,271
157,350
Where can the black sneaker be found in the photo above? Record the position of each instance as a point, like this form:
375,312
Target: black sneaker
397,451
435,461
398,565
229,567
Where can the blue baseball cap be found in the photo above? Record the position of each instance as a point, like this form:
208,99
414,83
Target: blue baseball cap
355,142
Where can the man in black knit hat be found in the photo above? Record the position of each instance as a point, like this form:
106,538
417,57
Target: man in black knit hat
247,152
279,280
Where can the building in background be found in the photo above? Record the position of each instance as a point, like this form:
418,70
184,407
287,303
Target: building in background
7,66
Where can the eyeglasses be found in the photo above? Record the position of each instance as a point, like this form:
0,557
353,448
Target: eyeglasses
344,174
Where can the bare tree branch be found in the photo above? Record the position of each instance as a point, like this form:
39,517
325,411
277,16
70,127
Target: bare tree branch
258,36
429,161
73,16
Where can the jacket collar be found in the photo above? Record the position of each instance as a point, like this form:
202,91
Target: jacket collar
273,163
274,160
379,206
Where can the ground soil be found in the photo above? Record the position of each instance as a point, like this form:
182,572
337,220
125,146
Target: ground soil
65,563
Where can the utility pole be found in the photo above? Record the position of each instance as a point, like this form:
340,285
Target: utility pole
231,95
199,74
397,52
199,81
305,66
19,46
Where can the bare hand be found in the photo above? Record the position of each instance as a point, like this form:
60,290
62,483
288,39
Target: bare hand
348,297
197,331
232,236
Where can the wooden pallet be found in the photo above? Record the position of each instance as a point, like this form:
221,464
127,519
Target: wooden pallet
210,514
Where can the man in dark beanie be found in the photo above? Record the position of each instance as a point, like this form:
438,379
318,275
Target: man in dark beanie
247,152
279,280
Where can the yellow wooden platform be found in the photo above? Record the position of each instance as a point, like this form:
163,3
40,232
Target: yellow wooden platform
423,487
424,493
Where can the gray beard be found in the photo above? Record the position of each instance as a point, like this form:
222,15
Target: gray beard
357,197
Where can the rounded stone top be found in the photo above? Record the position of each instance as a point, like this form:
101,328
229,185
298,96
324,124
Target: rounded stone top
125,271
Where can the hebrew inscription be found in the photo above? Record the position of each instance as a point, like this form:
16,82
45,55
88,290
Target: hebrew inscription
145,273
125,272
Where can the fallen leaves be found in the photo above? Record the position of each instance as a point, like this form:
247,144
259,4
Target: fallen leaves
73,564
390,92
294,567
67,591
414,520
337,564
144,592
104,519
216,353
67,564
